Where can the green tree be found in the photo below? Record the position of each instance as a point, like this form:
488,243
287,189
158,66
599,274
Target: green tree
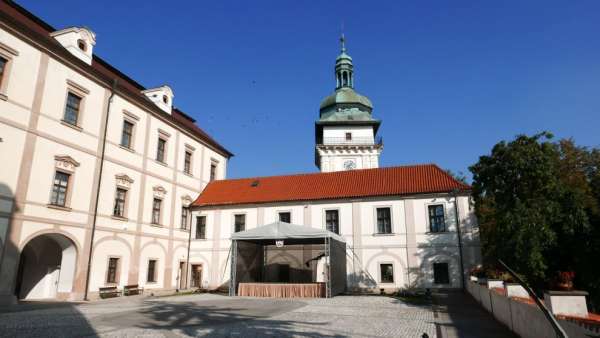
536,201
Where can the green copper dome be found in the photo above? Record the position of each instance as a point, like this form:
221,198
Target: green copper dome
346,96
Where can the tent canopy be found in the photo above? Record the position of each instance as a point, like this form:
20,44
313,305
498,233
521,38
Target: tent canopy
282,230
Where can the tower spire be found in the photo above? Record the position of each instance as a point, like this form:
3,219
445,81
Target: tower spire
344,76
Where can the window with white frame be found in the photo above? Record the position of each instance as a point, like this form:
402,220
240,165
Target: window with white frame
120,199
112,270
60,188
151,273
185,211
161,147
285,216
156,206
187,162
3,64
239,223
72,108
437,222
213,171
200,227
384,220
127,134
386,272
332,221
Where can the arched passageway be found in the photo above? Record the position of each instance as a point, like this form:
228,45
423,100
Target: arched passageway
46,267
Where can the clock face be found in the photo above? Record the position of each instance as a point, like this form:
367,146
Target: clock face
349,165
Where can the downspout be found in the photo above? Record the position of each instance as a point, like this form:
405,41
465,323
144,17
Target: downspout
460,248
95,217
187,261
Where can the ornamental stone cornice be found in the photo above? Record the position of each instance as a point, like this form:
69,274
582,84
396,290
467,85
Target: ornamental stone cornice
186,200
123,180
159,191
65,162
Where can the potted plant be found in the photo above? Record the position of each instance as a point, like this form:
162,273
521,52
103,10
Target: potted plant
564,280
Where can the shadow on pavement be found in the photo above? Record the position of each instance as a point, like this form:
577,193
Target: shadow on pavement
44,319
458,315
249,317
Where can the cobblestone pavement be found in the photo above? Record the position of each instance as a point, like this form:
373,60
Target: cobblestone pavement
220,316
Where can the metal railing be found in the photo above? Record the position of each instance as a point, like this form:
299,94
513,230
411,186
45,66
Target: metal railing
560,332
354,140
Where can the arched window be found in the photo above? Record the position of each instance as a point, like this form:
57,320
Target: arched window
345,79
81,44
165,99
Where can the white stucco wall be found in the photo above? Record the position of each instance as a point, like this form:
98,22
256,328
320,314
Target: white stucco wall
415,246
35,77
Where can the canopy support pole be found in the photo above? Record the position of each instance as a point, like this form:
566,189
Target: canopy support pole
233,269
328,264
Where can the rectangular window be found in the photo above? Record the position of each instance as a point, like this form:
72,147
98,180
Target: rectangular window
387,273
440,273
201,227
348,136
437,222
60,189
119,209
184,217
3,63
156,204
384,221
187,162
332,222
240,223
285,217
160,150
151,276
111,273
213,171
127,134
72,109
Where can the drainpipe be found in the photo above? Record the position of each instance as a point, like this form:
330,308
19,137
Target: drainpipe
95,218
187,261
458,232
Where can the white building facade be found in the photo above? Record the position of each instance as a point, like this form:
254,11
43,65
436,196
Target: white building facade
92,163
404,227
394,240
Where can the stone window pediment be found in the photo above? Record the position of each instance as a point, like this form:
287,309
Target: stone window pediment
65,163
123,181
186,200
159,191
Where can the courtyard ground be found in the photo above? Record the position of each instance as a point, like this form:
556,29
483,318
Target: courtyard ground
220,316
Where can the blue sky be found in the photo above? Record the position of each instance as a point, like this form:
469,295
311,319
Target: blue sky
449,79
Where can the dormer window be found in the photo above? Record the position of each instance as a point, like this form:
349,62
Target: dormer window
81,44
161,97
78,41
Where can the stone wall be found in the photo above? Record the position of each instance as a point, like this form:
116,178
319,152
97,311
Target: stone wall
519,315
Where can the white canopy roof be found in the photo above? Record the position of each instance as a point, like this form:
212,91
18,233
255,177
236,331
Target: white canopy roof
282,230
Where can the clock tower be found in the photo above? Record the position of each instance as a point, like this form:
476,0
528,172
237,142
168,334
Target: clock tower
346,132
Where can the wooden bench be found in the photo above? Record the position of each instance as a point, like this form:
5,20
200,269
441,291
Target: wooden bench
134,289
108,292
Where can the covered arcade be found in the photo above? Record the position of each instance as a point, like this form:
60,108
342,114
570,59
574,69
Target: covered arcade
286,260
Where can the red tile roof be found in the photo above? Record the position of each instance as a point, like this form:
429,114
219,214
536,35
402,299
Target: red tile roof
390,181
38,29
